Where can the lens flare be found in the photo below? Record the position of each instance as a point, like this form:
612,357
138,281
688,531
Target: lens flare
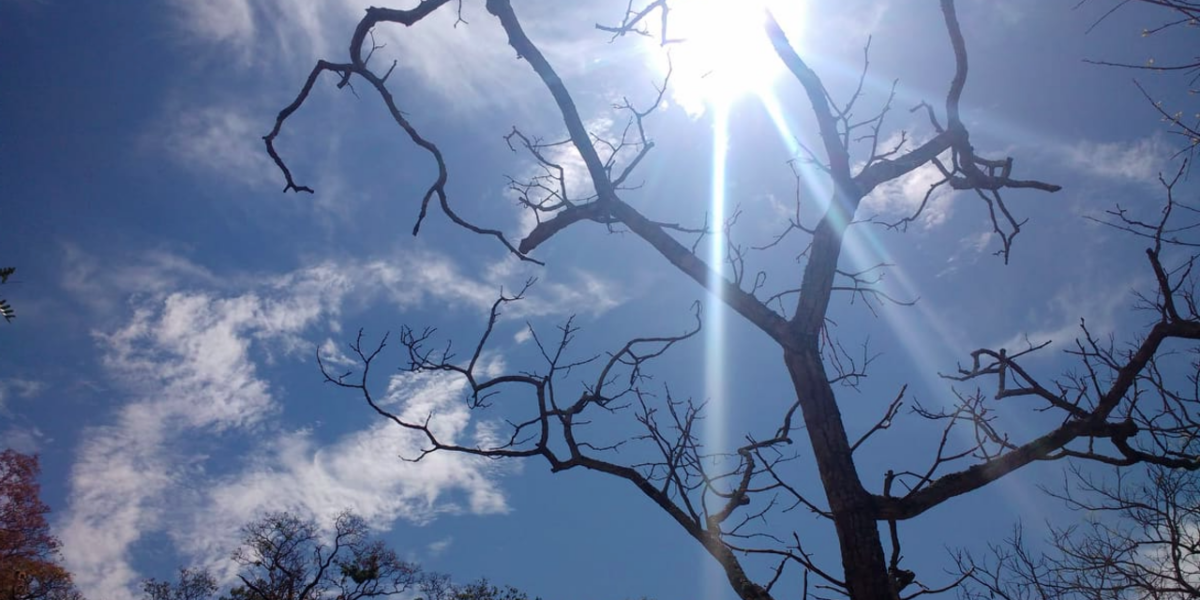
718,50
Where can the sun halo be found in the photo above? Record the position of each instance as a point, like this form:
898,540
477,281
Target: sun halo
718,52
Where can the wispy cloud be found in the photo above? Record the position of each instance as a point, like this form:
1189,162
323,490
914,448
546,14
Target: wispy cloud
229,21
297,473
970,247
265,32
21,388
1137,161
440,546
1100,303
191,356
222,141
845,29
900,198
19,437
186,361
27,440
102,286
467,63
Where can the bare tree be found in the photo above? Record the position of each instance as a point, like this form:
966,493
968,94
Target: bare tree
191,584
1118,409
284,558
1178,14
477,590
1140,539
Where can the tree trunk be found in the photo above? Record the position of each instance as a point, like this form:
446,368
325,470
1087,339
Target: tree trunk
866,573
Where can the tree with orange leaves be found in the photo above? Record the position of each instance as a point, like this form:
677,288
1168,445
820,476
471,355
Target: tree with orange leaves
29,568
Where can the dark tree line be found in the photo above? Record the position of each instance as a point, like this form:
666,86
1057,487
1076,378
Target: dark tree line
285,557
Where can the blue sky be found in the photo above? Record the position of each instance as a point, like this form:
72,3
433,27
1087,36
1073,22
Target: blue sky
170,299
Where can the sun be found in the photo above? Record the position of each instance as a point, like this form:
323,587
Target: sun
719,51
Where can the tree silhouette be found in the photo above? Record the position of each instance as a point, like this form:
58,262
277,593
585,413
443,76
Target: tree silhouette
1178,15
1140,539
735,502
6,309
285,557
191,584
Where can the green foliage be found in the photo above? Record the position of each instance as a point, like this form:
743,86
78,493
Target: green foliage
361,572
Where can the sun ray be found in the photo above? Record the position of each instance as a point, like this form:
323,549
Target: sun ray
715,359
715,345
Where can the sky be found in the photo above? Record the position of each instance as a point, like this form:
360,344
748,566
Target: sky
171,300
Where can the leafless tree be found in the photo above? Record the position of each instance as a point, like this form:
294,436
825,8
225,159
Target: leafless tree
1178,14
190,584
284,557
1140,540
1119,408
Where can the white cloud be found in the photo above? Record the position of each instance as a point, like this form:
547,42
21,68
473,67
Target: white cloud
1101,303
298,29
190,355
220,140
22,388
362,471
103,286
845,27
970,247
1139,161
300,475
186,359
439,547
217,20
576,181
22,438
332,354
522,335
900,198
468,64
27,440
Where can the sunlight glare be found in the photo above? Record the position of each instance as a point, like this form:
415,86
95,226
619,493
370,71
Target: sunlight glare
715,345
720,50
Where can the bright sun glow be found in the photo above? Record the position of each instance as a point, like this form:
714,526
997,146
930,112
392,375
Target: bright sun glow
720,50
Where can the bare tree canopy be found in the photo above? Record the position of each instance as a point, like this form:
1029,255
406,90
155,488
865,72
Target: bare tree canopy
1178,17
285,557
1123,405
1140,539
